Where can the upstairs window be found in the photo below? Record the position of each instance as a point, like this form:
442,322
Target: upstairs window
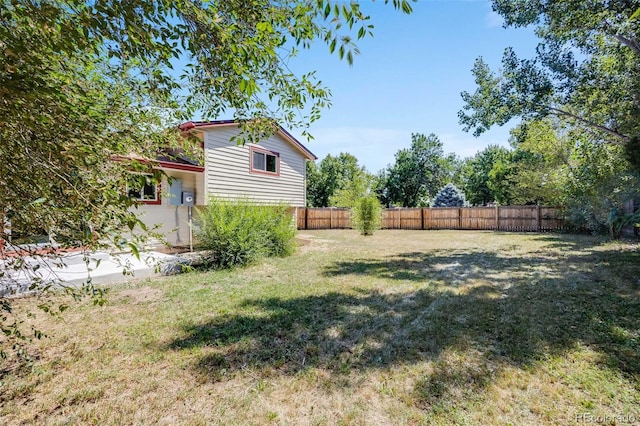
265,162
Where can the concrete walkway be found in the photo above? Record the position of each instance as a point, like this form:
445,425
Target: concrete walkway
72,269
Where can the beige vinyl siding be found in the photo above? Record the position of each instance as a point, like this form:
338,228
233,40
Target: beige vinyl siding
173,221
199,188
228,173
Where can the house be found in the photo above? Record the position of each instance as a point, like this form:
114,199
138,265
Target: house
272,171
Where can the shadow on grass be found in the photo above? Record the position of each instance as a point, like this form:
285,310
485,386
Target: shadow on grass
571,241
508,311
435,265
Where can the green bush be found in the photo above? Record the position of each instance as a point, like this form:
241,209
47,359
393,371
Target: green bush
367,214
236,233
617,220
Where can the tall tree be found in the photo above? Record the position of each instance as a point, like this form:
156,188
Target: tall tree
599,183
334,175
360,185
501,177
567,166
586,71
544,149
453,169
484,176
380,188
418,172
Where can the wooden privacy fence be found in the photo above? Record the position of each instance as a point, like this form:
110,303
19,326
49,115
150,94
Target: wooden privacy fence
503,218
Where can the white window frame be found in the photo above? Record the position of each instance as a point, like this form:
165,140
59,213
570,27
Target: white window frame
266,153
141,197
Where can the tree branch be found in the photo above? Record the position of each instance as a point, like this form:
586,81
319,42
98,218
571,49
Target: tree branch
628,42
632,44
616,134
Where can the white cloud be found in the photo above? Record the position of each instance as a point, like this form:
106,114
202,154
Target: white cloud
467,145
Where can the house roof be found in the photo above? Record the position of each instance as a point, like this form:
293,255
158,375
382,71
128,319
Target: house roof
164,162
203,125
176,155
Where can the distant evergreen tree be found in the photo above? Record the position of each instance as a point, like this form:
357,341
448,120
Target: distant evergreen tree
449,196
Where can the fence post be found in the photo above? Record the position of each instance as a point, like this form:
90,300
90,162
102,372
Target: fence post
459,217
330,217
306,218
422,218
497,218
296,217
538,217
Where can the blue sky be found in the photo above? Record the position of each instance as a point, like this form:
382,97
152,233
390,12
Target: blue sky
408,79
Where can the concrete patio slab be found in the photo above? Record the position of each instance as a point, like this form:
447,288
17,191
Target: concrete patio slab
76,269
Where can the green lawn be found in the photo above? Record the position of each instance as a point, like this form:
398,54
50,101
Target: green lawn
424,327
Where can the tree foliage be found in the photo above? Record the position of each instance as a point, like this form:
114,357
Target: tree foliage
552,163
599,182
337,181
543,149
380,189
358,187
586,71
559,164
417,173
485,175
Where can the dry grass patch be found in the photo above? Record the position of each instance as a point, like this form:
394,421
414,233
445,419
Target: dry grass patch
403,327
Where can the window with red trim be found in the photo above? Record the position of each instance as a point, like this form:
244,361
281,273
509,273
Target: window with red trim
264,161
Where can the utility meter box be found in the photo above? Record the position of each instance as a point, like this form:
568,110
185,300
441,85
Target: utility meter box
175,192
188,198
